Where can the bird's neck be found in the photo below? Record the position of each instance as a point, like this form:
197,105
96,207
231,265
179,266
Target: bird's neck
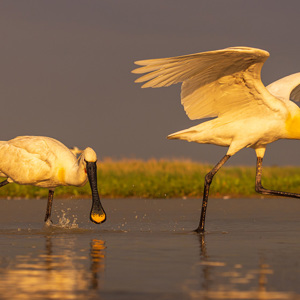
293,126
82,174
78,176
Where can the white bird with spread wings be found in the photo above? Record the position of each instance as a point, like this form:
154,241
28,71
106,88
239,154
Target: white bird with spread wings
226,84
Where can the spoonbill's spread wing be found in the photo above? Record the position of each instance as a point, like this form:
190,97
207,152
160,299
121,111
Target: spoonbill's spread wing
286,88
215,83
295,94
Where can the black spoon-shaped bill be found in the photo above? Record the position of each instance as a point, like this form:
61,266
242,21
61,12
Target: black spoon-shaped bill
97,214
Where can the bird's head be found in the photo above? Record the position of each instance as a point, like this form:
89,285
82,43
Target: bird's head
89,155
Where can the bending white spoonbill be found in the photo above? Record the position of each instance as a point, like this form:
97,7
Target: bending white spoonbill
46,162
226,84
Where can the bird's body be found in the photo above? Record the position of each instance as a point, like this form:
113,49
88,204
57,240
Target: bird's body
254,130
40,161
235,134
226,84
46,162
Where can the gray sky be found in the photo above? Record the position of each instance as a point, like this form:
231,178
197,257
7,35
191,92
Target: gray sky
65,69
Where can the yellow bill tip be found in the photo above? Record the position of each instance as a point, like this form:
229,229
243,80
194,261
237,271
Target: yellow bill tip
98,218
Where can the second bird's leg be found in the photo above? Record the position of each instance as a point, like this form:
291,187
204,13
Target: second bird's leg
4,182
49,205
208,179
260,189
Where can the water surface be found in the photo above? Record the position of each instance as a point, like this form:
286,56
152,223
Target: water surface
147,250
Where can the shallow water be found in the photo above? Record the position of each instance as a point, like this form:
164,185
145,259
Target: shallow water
147,250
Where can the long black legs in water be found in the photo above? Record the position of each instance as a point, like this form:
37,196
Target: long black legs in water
208,179
4,182
49,205
260,189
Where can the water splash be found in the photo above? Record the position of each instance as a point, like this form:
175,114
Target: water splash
65,222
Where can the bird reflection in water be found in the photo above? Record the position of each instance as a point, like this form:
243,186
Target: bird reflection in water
232,279
64,270
97,261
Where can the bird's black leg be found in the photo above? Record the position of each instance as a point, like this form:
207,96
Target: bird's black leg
208,179
4,182
49,205
260,189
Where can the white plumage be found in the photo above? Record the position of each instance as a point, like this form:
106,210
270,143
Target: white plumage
226,84
46,162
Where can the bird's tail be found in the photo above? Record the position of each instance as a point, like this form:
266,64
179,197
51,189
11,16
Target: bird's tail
187,134
201,133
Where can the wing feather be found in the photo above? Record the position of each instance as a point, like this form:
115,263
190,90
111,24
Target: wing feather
215,83
295,94
286,88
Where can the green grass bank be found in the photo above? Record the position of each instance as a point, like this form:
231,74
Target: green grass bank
168,179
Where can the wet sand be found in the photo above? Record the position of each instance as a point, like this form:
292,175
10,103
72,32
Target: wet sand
147,250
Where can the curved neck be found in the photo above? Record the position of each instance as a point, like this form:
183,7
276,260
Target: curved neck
79,176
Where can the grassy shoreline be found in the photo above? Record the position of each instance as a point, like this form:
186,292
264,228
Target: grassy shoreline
132,178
